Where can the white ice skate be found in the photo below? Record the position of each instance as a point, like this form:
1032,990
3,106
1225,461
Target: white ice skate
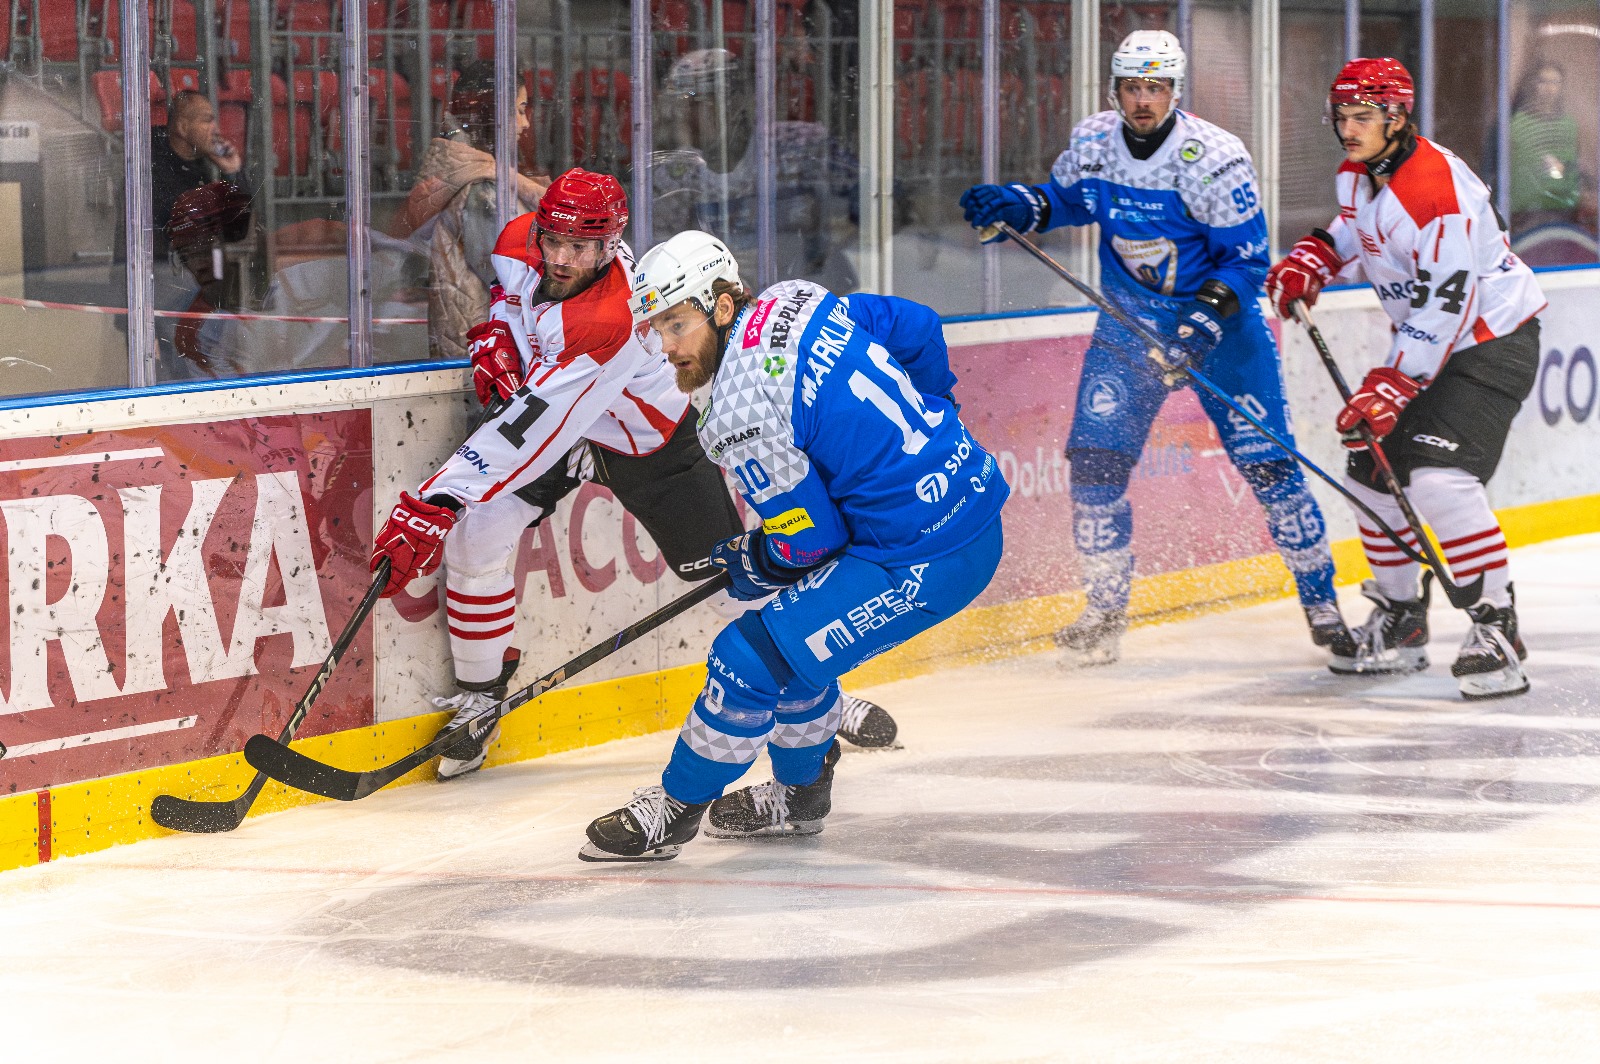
467,753
1095,638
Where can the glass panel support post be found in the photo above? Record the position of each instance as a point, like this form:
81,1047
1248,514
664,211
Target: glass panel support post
1502,108
357,183
1352,30
137,222
1264,77
644,84
1425,76
1087,98
505,111
990,146
876,267
766,143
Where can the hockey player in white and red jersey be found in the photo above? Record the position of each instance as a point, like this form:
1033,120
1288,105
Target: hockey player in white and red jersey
1419,225
586,399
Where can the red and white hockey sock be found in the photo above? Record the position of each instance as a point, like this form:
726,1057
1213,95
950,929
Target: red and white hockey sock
1394,573
1455,505
480,590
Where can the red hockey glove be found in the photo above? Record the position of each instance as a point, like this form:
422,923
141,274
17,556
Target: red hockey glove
496,364
1377,404
1301,274
413,541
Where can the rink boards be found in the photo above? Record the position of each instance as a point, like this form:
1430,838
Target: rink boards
177,565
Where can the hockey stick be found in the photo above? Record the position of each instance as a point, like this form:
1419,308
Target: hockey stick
1002,228
308,774
1460,595
183,814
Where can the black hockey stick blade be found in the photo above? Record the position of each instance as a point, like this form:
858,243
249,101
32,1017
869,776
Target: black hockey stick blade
304,773
200,817
205,818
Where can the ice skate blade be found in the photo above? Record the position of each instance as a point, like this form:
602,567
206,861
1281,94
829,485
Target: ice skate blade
1405,660
1502,683
791,830
591,852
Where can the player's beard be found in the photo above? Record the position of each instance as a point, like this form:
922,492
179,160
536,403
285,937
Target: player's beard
551,290
698,373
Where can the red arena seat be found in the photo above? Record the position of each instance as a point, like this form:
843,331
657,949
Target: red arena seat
107,89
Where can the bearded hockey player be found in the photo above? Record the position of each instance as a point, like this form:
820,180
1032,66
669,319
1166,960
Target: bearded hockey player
1420,226
586,399
1183,245
880,518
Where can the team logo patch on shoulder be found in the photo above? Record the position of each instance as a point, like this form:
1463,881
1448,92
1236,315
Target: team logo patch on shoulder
775,364
1191,151
788,522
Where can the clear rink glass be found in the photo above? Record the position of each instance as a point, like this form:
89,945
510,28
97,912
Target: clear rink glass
706,167
248,211
61,175
1552,146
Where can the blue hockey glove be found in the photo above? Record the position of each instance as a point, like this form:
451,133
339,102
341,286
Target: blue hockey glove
755,574
1020,206
1199,333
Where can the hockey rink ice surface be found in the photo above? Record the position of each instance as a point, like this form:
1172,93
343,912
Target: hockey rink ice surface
1214,850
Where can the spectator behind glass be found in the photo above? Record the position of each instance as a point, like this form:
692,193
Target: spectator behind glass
450,214
706,176
199,201
1546,185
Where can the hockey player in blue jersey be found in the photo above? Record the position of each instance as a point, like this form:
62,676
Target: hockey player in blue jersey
1183,246
880,518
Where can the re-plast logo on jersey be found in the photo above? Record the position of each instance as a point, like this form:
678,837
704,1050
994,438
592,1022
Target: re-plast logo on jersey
933,487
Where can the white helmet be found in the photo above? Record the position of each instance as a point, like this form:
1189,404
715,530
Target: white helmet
1149,54
679,269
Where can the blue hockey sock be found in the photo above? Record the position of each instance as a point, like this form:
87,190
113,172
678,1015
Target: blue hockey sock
1295,523
1102,529
733,716
802,734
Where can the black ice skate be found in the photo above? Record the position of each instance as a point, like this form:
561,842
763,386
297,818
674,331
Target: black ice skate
1095,638
1328,630
773,808
1490,662
652,827
866,724
1393,640
478,727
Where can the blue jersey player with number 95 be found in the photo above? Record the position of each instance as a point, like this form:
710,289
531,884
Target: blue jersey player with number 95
1183,247
880,518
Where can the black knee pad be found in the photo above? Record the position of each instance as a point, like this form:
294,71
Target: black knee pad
1096,468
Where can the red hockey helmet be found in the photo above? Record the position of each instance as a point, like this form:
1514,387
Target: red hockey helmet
1379,83
583,204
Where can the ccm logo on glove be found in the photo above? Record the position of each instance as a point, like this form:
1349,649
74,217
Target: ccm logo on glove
1378,404
496,363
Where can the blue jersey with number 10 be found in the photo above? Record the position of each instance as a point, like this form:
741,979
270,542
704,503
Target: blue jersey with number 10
834,442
